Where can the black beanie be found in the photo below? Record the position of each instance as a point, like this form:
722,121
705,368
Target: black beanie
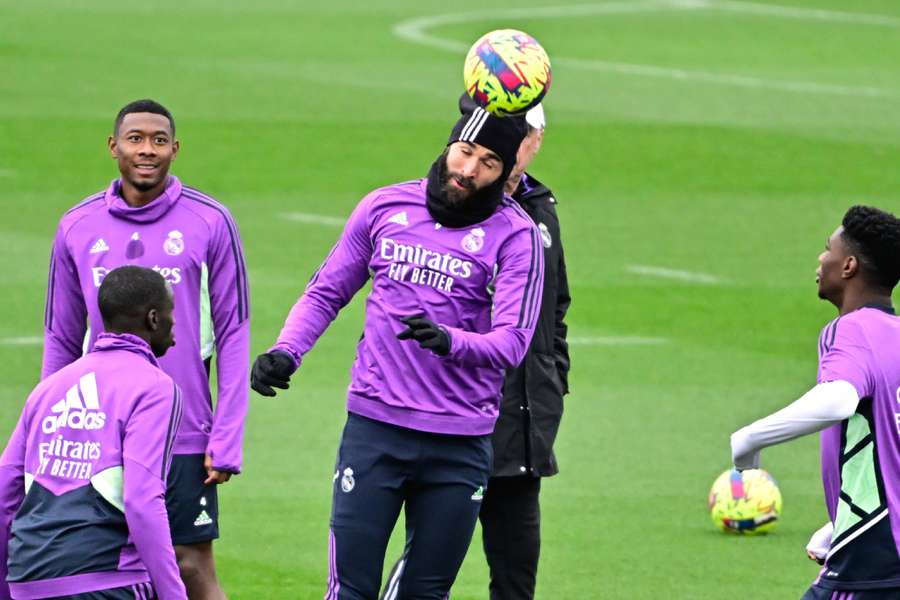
501,135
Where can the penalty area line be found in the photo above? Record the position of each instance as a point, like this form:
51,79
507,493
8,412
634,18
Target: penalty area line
22,341
313,219
617,340
675,274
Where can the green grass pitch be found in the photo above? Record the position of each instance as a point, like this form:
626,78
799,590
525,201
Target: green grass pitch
716,138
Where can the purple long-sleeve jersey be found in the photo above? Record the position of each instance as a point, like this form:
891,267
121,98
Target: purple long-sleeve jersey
83,478
481,283
192,241
861,455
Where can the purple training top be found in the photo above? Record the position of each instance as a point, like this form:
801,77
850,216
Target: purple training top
83,478
861,456
192,241
481,283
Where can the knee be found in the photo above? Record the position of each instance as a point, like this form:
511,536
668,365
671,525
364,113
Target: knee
194,563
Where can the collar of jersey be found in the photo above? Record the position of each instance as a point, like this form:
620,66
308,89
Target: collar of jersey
147,213
124,341
882,307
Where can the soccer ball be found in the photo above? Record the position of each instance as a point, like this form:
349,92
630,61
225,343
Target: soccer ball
745,502
507,72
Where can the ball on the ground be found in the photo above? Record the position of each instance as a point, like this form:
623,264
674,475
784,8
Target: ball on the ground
745,502
507,72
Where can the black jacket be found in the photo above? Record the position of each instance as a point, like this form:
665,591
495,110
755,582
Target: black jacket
532,404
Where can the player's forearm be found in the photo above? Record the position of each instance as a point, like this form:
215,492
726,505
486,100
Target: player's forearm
307,321
148,524
502,348
226,437
818,409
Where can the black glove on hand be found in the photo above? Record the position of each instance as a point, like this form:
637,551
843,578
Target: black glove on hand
273,369
427,333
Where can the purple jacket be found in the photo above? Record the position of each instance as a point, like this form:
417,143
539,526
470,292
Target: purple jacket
481,283
83,478
193,242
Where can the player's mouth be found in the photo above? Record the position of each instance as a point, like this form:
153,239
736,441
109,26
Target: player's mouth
461,184
146,168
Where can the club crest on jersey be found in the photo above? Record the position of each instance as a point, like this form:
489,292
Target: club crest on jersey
474,240
174,244
347,481
545,235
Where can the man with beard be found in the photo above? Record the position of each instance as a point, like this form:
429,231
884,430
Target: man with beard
457,276
532,404
148,218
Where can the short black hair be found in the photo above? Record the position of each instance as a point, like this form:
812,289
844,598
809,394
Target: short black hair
874,237
128,293
143,106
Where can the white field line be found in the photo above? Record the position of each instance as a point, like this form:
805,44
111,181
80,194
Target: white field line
417,31
744,81
22,341
617,340
676,274
313,219
807,14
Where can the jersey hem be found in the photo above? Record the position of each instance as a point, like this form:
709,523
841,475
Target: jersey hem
859,585
420,421
76,584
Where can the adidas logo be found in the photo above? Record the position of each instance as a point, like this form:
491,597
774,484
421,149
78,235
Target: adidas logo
478,496
400,218
77,411
202,519
99,246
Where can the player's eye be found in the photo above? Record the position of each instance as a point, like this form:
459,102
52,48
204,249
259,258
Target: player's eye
162,141
134,139
488,163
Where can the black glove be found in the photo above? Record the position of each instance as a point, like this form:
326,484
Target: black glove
273,369
427,333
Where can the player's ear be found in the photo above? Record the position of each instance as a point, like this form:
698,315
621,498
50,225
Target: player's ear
176,145
850,268
113,147
152,320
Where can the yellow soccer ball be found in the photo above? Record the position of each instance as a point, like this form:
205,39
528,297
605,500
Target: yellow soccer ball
745,502
507,72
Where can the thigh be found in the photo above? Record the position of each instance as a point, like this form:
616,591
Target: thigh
139,591
193,507
441,510
369,479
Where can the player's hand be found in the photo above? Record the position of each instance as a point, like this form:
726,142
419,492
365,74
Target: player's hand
273,369
820,543
429,335
214,476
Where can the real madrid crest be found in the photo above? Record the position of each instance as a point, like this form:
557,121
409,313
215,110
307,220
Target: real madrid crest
474,240
347,481
545,235
174,244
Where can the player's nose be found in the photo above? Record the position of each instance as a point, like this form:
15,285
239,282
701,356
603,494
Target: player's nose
469,167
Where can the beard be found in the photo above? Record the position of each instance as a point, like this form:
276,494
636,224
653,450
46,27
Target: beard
457,198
